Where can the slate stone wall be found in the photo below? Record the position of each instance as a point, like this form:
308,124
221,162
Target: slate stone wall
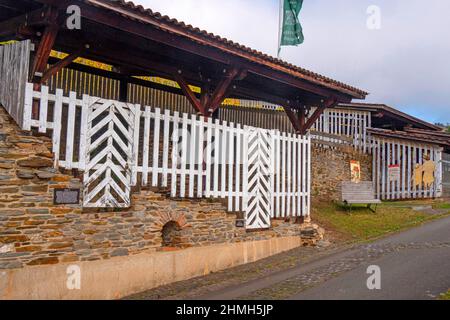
330,167
34,231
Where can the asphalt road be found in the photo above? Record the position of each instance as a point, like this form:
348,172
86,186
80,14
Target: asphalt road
419,269
414,265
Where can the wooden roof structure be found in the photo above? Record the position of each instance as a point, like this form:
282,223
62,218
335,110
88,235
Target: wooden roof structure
386,117
140,42
424,136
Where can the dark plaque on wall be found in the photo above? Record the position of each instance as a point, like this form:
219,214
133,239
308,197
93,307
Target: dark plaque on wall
66,196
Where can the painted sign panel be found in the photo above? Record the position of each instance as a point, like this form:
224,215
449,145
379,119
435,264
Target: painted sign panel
424,174
394,172
355,169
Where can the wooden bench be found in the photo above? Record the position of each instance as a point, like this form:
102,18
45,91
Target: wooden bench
359,193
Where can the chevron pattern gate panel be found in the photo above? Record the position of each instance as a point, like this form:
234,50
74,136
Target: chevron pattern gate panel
259,178
109,153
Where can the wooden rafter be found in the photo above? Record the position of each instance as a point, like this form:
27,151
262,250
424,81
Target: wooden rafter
18,6
208,103
302,117
300,122
61,64
106,14
221,90
238,91
164,56
26,32
235,91
330,103
123,89
190,95
45,46
9,28
137,62
293,118
205,94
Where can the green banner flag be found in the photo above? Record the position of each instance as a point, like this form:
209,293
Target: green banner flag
291,30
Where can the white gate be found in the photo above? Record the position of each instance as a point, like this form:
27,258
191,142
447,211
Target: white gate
109,153
258,176
118,145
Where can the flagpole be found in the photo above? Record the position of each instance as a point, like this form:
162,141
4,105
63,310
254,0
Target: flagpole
280,28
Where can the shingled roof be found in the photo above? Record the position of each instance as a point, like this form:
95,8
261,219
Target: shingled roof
137,12
424,136
383,108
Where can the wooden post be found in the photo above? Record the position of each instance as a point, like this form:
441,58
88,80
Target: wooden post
302,119
44,48
205,94
293,118
221,90
204,100
123,90
190,95
43,51
298,120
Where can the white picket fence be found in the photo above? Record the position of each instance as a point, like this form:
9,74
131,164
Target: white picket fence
446,175
194,157
345,123
395,183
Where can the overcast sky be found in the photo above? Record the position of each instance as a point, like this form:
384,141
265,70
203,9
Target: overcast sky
405,64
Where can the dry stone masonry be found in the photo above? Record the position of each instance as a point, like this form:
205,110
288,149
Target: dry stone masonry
332,166
34,231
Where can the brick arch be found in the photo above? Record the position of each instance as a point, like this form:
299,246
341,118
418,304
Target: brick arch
172,225
178,218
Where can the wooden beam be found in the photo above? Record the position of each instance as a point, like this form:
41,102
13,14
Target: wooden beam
302,118
134,62
123,90
61,64
297,120
143,25
221,90
9,28
45,46
42,55
119,76
112,52
190,95
116,54
17,6
135,65
329,103
24,33
160,69
238,92
246,93
293,118
205,94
